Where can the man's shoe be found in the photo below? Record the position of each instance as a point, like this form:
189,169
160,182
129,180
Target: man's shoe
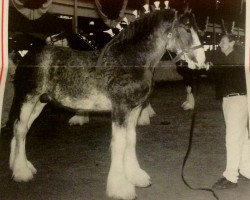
243,178
223,183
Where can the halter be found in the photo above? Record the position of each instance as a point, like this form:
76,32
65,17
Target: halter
182,52
186,51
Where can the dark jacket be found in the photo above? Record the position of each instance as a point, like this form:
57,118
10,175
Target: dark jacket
228,72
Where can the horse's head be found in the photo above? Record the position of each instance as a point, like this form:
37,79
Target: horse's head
184,41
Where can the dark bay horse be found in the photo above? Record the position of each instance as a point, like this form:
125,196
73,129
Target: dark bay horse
117,79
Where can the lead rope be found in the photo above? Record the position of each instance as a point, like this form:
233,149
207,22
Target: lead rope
191,133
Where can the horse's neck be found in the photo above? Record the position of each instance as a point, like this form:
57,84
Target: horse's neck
158,49
147,52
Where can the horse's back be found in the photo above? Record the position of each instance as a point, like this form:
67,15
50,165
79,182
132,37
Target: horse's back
63,56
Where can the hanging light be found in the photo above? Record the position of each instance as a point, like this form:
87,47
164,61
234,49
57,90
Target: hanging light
157,5
91,23
166,4
146,8
91,34
110,32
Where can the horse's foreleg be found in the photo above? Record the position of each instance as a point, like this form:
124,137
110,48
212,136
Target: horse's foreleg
22,169
118,185
135,174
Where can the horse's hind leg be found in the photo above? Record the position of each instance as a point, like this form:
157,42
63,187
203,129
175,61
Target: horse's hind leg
134,173
22,169
118,186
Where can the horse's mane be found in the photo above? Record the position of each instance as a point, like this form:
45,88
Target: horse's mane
143,26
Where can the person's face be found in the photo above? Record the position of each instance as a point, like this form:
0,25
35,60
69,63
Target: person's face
226,45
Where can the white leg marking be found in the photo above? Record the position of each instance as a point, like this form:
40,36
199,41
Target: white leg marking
118,185
190,102
23,170
12,152
135,174
79,120
144,117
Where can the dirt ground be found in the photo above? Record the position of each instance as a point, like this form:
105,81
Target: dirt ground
73,161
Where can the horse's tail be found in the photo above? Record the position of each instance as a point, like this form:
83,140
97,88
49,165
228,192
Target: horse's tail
25,80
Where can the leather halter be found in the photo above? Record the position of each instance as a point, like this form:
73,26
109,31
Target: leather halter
186,51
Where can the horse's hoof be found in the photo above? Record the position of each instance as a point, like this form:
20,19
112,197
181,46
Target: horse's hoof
22,175
120,188
139,178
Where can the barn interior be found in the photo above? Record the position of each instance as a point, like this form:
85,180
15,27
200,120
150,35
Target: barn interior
73,160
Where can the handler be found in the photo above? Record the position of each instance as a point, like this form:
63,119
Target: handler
228,73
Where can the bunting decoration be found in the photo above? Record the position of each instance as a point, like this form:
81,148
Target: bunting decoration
119,27
146,8
110,32
166,4
32,11
157,5
135,13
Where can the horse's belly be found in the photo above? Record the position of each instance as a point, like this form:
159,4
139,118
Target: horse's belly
94,102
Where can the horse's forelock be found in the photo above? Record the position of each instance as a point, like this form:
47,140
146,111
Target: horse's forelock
183,37
188,20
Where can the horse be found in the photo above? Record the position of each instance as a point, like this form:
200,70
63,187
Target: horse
117,78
